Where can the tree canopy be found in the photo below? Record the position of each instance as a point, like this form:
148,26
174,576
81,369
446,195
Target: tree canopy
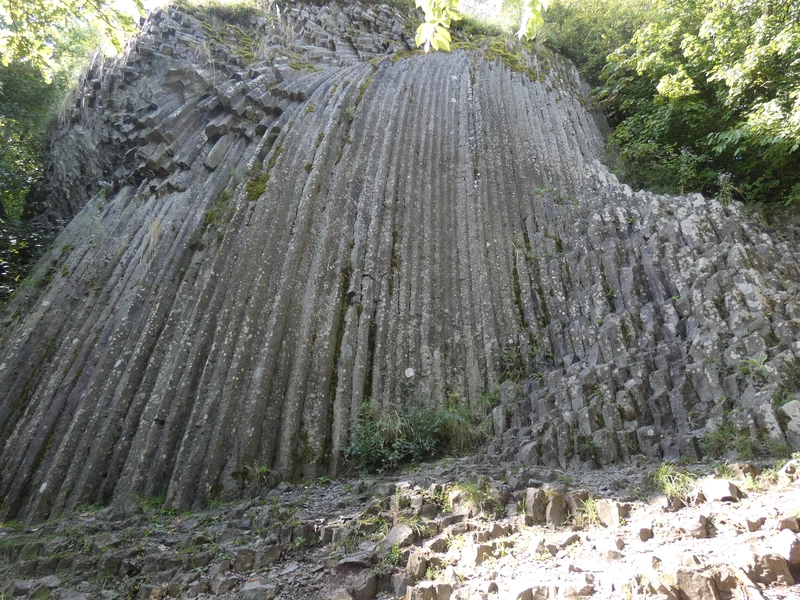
30,30
44,44
704,95
434,32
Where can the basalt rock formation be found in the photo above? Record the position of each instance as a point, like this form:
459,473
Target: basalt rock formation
272,222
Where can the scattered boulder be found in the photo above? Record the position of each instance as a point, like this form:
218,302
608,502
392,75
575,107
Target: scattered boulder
645,533
536,502
355,562
258,590
768,568
754,523
611,513
364,586
791,411
695,584
720,490
400,583
695,526
417,564
556,513
787,545
21,587
790,523
244,560
429,590
400,536
475,554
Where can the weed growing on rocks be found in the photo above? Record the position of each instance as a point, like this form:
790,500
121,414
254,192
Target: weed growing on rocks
588,515
256,186
472,495
414,431
672,481
726,438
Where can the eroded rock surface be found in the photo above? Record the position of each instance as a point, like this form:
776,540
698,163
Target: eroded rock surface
271,245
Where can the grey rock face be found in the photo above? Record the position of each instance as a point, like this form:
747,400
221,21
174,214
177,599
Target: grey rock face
269,246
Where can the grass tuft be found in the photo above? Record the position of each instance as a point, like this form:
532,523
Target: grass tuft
672,481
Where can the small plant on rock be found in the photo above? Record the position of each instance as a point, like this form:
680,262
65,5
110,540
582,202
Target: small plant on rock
588,515
418,526
434,572
673,482
478,498
782,398
587,450
723,471
512,364
753,369
392,556
726,438
565,479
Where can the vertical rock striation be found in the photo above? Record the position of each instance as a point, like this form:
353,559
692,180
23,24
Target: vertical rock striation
272,245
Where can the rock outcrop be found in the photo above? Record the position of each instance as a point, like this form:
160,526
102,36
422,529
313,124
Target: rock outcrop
269,231
456,529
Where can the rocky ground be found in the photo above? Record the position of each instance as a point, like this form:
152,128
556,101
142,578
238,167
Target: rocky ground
465,528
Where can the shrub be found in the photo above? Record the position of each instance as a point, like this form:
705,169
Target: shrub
512,365
725,438
414,431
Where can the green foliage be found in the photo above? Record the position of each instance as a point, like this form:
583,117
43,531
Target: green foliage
256,186
229,11
21,243
440,15
587,31
726,438
753,369
28,102
25,110
588,514
782,398
671,481
709,88
532,17
392,557
31,89
31,29
434,31
413,431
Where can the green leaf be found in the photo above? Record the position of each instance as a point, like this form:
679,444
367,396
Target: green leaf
441,39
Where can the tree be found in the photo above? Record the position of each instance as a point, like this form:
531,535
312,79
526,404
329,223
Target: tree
29,29
434,32
707,96
587,31
44,45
